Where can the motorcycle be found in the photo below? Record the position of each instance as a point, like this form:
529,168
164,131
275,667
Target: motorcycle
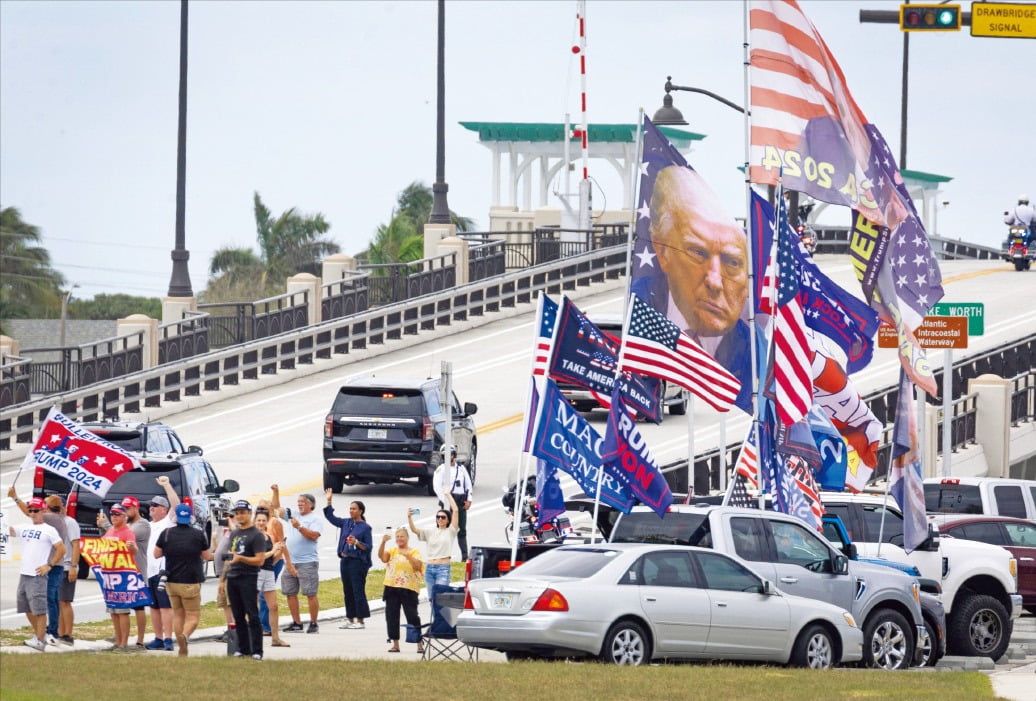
554,530
807,237
1021,251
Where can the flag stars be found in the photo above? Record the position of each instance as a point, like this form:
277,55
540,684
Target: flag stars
101,460
644,211
919,259
646,258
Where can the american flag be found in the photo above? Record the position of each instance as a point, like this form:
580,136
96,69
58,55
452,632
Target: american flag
792,354
547,317
656,347
739,495
747,466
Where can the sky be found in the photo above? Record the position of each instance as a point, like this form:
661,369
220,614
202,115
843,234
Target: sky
330,107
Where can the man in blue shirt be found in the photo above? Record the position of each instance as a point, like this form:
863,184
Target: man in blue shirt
302,571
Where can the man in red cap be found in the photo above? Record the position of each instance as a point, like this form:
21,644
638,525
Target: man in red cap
42,551
142,534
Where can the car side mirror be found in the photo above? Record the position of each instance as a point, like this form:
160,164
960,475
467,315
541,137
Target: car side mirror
850,551
470,408
230,486
196,449
841,564
767,588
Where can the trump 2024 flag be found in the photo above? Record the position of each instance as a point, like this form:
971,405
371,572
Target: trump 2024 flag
81,457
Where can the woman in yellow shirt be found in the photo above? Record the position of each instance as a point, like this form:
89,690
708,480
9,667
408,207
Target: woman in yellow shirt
404,573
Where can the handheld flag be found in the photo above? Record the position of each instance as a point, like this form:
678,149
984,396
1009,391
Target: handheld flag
78,455
550,502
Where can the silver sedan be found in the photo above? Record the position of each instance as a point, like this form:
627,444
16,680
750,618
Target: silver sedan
630,604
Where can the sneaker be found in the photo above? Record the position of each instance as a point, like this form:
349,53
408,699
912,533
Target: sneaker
313,628
168,644
50,639
238,654
67,640
293,628
257,657
155,644
36,644
356,626
346,625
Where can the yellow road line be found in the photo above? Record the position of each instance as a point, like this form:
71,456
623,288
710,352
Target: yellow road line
975,273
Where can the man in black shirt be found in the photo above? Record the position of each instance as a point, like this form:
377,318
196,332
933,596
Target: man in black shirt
247,553
185,549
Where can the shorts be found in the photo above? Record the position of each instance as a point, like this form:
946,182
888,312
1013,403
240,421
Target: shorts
32,594
67,591
122,612
159,599
308,580
267,581
184,596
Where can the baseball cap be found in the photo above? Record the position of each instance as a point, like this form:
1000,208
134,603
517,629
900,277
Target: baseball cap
117,509
183,514
242,505
36,503
160,501
54,500
130,501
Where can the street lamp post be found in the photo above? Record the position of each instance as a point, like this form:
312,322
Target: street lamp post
668,115
180,280
440,208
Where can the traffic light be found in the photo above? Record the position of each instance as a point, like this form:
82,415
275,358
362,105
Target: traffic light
929,18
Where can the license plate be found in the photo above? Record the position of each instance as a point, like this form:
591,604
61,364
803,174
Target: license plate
378,434
501,601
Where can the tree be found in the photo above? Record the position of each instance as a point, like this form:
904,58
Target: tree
402,240
114,306
29,286
289,244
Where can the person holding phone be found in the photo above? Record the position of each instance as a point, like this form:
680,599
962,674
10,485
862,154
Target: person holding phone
355,542
403,574
302,564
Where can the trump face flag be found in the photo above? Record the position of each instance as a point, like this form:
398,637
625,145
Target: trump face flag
79,456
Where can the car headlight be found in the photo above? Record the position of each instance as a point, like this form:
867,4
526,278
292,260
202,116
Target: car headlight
849,619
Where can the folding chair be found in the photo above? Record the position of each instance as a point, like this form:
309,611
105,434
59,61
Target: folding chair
440,636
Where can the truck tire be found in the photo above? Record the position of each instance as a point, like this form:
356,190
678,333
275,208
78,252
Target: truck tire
979,627
333,482
626,644
473,462
814,649
888,642
679,408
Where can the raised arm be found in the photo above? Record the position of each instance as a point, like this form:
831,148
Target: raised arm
13,494
382,555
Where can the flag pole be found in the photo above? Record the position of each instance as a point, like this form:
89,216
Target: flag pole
634,192
519,487
756,390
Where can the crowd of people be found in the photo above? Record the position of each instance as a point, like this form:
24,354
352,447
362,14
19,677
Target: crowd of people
252,550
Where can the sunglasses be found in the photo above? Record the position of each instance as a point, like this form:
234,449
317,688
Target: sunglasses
438,516
34,511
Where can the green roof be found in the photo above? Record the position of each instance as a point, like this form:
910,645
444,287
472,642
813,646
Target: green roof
927,177
536,131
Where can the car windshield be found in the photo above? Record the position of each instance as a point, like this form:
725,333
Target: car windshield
129,439
646,527
570,562
357,401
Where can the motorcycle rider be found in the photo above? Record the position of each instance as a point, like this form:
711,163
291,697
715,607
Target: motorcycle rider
1023,215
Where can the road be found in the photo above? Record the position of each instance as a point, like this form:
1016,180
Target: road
273,435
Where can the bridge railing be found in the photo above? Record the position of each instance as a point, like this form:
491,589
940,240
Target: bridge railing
267,355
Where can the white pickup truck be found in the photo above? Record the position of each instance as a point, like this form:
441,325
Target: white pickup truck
979,581
992,496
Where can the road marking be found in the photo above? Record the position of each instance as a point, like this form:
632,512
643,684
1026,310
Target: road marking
973,274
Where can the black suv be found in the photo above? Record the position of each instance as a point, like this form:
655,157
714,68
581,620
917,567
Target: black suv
191,477
139,438
383,430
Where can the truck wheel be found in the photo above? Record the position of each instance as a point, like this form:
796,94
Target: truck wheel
333,482
472,463
887,641
979,627
626,644
679,408
814,649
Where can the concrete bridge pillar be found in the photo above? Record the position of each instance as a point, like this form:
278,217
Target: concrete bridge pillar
135,323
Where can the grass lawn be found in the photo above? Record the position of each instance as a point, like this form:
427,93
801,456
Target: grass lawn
330,594
48,678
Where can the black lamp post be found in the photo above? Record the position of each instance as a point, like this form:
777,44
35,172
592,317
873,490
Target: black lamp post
667,115
180,280
440,208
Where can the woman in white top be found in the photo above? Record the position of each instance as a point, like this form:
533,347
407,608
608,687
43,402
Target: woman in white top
440,542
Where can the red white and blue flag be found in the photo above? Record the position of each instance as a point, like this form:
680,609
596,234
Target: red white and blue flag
656,347
626,457
113,564
906,481
81,457
546,320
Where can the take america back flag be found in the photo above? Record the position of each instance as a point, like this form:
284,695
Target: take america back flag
79,456
655,346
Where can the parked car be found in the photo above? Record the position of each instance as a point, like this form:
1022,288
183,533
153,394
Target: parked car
190,475
992,496
137,437
385,430
630,604
1015,535
783,549
673,396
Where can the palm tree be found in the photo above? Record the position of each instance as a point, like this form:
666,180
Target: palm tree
289,244
416,202
402,240
29,286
